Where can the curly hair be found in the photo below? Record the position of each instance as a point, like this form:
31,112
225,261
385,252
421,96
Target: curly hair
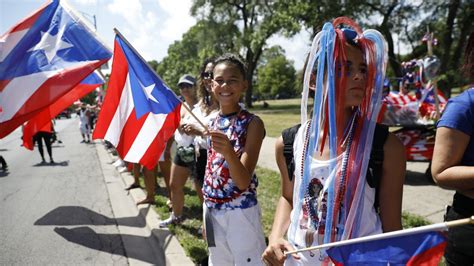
208,102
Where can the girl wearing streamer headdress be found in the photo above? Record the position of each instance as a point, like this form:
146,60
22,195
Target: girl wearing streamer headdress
334,195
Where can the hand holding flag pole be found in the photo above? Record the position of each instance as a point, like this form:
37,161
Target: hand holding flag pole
422,229
152,70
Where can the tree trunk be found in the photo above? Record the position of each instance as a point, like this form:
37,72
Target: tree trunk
466,24
447,38
392,59
250,61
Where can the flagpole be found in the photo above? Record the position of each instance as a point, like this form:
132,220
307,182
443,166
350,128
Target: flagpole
153,71
421,229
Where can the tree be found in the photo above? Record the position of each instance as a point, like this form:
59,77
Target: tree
257,21
276,75
204,40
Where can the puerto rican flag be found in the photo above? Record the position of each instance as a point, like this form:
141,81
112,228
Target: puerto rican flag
42,118
425,248
427,102
140,113
41,59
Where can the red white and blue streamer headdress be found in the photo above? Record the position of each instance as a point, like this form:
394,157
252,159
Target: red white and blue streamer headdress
353,141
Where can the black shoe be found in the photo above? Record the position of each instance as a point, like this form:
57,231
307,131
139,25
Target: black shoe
83,141
51,161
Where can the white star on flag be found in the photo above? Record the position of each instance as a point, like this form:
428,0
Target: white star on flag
148,91
51,44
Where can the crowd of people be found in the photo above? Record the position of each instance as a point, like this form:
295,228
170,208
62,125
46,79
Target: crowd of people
321,199
336,180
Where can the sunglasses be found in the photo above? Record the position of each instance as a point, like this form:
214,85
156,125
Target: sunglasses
185,86
206,75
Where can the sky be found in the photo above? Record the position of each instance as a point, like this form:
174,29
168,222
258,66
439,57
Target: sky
149,25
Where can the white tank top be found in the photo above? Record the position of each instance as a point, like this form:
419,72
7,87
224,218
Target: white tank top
313,207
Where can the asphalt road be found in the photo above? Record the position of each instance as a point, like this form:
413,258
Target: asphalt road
62,213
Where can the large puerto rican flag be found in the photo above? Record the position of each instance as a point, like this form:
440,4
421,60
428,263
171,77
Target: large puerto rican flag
41,59
44,117
140,113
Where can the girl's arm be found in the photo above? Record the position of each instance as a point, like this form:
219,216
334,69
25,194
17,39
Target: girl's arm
277,244
391,184
241,169
450,145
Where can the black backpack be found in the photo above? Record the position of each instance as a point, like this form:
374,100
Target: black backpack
374,169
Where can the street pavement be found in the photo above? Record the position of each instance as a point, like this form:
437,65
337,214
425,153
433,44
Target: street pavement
74,211
420,196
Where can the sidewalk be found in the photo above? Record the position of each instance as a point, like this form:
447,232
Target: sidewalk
168,244
419,196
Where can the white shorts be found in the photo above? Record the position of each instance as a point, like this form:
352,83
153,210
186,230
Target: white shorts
85,129
238,237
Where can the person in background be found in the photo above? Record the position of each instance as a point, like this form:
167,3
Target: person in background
184,162
452,165
84,125
45,134
150,176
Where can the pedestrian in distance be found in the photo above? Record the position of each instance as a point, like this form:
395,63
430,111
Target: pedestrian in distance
45,135
84,125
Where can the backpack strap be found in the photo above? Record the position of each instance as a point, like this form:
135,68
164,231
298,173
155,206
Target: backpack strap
288,136
375,167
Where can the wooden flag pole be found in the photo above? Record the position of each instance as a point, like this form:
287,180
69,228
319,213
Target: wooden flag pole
153,71
421,229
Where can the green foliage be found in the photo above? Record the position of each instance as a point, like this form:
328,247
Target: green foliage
411,220
203,40
256,21
276,75
90,98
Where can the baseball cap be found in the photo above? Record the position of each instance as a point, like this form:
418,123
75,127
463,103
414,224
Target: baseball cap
188,79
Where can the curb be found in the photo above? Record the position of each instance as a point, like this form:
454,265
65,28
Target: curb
173,251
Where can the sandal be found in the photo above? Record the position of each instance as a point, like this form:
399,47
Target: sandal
132,186
146,201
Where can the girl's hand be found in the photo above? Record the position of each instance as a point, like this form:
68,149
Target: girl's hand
220,143
274,253
190,129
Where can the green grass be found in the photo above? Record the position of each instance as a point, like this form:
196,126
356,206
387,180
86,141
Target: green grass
280,114
268,195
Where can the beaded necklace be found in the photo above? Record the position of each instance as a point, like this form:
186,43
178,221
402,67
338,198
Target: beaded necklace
225,121
312,212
